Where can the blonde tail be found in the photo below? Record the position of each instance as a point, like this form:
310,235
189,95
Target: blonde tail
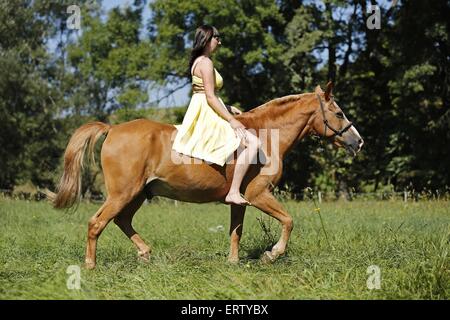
69,188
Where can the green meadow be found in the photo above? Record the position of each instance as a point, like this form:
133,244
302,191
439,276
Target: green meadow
407,243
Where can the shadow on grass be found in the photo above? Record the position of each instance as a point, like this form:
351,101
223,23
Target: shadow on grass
258,251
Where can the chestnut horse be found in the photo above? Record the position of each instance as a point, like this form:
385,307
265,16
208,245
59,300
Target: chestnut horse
138,163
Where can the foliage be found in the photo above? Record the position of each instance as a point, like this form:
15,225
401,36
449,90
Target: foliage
29,136
393,83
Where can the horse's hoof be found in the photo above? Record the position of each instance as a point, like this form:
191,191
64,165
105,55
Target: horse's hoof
233,260
89,265
144,257
267,257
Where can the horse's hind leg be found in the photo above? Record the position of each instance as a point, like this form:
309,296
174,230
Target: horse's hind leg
108,211
124,219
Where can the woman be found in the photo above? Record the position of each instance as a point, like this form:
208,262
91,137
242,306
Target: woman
209,131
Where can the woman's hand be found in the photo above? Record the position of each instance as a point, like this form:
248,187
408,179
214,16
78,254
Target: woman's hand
235,111
239,128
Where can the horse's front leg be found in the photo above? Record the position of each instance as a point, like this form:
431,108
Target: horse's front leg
236,225
267,203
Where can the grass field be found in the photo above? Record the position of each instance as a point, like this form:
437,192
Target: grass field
409,242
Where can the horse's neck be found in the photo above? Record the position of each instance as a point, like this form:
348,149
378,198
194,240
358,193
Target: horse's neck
292,129
290,119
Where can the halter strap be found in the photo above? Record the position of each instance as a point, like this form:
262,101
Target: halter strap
325,121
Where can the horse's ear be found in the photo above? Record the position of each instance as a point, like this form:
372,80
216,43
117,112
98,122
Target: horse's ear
328,91
318,90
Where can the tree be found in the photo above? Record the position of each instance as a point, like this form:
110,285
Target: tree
109,62
27,97
250,59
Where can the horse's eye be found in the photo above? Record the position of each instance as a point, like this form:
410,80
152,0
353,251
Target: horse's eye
340,115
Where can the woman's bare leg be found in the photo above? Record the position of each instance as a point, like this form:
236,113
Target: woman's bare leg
242,164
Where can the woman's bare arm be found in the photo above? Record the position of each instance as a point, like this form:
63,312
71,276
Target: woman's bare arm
207,72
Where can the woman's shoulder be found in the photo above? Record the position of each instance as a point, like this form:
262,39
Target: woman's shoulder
201,65
205,61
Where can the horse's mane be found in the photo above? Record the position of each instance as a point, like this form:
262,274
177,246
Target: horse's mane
274,110
278,102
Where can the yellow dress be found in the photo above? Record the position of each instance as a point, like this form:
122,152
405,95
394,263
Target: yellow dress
204,134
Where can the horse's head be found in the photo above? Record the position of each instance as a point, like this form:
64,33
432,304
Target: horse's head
330,122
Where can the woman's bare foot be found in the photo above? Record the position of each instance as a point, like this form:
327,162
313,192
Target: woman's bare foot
236,198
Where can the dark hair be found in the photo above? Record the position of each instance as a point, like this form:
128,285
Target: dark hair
203,35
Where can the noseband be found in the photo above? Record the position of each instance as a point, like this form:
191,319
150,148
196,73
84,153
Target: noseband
325,121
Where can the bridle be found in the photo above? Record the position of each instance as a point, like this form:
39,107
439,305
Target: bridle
325,121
